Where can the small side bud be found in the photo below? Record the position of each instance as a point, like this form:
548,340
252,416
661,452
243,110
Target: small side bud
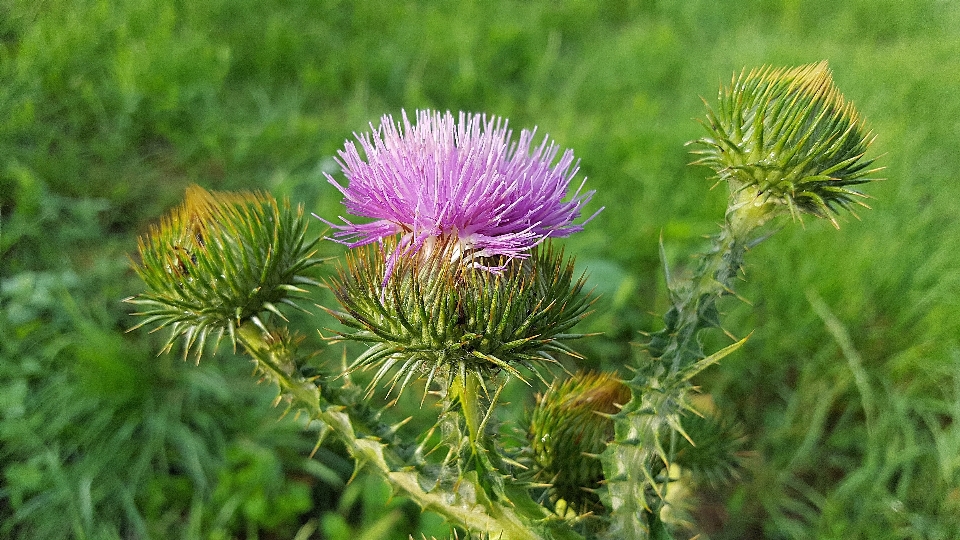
569,427
715,454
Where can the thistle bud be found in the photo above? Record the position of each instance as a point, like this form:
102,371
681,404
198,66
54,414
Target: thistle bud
786,137
714,451
443,317
219,260
570,426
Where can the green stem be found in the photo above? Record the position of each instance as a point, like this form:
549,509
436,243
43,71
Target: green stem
468,393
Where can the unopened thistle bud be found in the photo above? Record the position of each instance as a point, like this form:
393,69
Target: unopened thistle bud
787,137
220,260
714,451
440,318
569,427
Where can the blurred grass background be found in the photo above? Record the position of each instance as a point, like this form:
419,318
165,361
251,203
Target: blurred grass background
848,391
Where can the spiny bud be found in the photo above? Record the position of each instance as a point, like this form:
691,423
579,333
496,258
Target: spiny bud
219,260
445,316
715,453
788,137
570,426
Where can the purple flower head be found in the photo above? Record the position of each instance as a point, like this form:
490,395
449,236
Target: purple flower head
439,180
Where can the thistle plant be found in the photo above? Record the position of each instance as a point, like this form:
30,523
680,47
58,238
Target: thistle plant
786,143
452,286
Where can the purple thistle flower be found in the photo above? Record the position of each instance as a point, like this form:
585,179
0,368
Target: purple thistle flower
439,181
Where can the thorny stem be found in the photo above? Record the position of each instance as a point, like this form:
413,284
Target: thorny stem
694,303
649,427
472,511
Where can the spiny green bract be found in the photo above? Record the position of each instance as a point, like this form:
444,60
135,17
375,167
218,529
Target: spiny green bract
789,135
444,317
569,427
219,260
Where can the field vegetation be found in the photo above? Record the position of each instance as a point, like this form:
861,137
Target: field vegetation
847,392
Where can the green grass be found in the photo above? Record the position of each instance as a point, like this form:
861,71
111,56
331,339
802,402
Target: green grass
847,390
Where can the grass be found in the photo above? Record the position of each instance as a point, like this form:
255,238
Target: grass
847,390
